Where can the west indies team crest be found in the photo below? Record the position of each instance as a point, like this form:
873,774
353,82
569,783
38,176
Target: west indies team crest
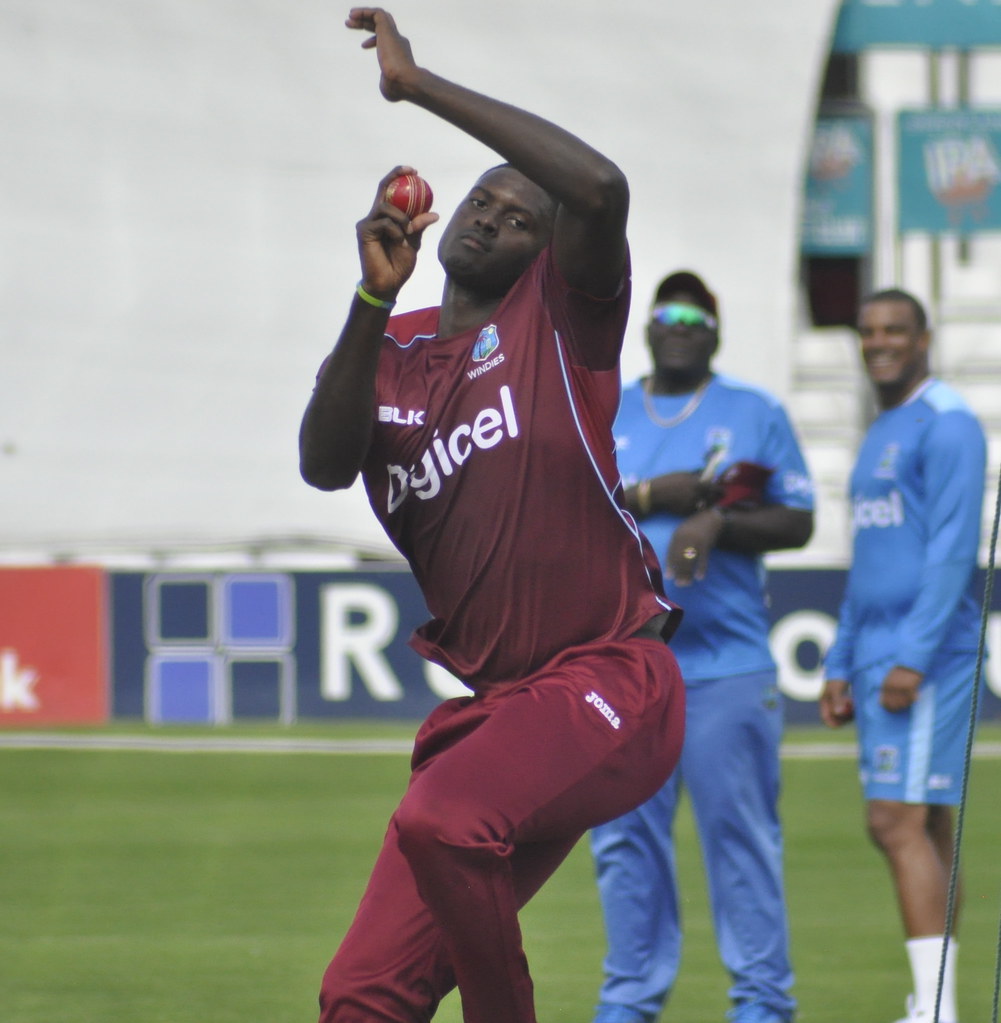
487,342
886,763
719,440
886,468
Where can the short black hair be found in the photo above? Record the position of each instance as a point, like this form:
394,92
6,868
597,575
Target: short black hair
553,201
899,295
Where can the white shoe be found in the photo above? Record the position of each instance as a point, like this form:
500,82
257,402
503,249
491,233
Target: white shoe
914,1016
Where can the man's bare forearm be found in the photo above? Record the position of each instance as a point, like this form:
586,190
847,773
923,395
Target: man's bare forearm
555,159
337,425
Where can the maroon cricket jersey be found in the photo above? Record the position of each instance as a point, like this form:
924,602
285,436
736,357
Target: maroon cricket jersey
492,470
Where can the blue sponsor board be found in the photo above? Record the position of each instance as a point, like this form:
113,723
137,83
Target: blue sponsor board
211,648
935,24
949,170
837,206
216,647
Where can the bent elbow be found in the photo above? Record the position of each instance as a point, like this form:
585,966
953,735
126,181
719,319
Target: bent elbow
803,531
792,532
600,193
609,194
325,477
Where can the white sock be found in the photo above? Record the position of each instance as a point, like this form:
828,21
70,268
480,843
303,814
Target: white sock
925,955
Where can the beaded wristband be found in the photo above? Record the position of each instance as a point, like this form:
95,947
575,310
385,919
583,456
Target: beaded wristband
371,299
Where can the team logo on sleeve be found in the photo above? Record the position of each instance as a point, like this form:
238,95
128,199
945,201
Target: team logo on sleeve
795,483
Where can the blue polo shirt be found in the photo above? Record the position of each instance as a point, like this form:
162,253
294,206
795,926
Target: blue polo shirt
725,627
916,490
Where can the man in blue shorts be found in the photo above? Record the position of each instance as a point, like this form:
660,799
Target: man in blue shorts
903,660
481,429
715,477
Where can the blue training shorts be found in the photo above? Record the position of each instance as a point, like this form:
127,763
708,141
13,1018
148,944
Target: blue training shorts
916,755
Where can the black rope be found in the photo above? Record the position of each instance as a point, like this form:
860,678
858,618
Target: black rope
997,975
974,710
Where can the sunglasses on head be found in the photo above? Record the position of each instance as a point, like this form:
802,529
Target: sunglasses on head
671,314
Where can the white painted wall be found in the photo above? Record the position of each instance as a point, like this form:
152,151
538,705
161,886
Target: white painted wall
179,183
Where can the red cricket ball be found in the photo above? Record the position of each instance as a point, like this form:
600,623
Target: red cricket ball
410,193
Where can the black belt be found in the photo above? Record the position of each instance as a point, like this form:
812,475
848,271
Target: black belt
653,628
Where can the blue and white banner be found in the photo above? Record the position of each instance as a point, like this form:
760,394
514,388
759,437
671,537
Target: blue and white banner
949,170
212,648
837,206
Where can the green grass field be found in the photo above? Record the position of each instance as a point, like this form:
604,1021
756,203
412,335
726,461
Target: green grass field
213,887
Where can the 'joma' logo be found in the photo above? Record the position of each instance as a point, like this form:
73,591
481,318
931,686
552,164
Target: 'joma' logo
598,703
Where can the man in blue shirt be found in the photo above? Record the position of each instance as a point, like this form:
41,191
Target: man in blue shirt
715,477
903,660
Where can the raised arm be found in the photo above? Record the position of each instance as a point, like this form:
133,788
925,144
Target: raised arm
589,238
336,427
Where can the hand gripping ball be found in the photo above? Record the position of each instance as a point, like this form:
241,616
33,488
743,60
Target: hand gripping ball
410,193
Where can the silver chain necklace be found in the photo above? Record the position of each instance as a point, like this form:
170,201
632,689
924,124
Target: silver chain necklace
690,406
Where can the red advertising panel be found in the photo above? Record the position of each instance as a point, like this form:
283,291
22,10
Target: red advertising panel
53,646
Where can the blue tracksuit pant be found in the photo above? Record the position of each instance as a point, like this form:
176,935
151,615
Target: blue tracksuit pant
730,768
